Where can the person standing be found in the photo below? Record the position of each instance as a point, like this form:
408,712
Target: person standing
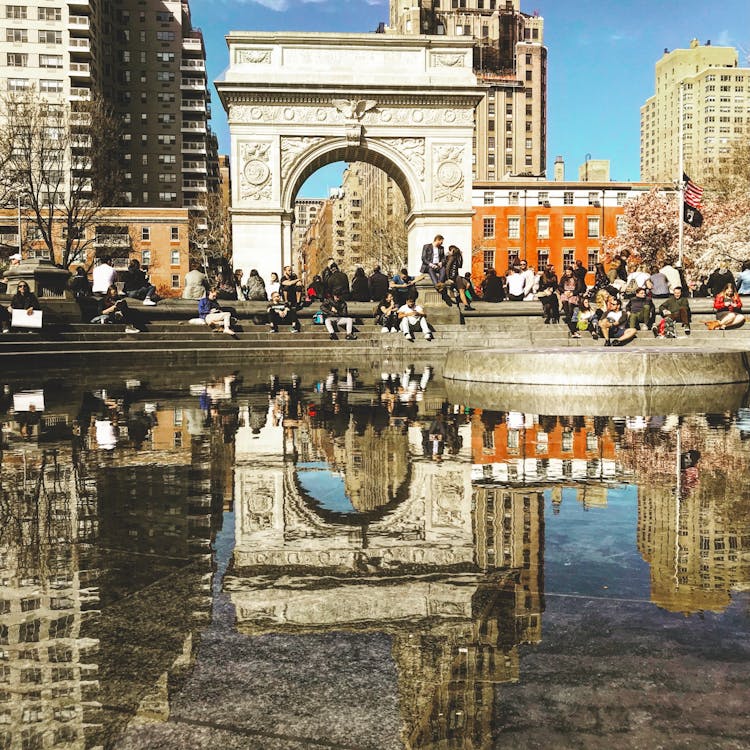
433,260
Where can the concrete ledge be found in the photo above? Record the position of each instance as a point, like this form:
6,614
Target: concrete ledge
597,401
631,366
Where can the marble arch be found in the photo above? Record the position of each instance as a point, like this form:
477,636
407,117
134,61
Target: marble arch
295,103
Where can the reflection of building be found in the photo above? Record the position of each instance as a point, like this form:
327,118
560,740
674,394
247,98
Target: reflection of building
528,448
48,668
427,572
698,545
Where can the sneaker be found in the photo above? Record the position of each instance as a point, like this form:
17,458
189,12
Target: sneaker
131,329
351,336
384,329
428,337
607,342
394,330
6,330
334,337
273,329
149,302
409,336
575,335
687,330
655,331
469,307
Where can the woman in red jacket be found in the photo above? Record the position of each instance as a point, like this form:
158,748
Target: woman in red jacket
728,305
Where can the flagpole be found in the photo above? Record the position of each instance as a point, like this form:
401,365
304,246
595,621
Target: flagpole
680,181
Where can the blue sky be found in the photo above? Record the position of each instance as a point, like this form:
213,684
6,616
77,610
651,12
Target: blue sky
601,61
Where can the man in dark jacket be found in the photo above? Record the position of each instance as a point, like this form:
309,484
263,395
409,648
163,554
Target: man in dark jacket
378,283
433,260
136,285
338,282
337,315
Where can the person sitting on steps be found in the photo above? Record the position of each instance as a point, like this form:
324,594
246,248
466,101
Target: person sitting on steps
613,325
728,304
280,312
210,310
675,308
337,315
412,316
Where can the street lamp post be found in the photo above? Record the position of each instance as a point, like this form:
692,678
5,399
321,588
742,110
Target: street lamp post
18,197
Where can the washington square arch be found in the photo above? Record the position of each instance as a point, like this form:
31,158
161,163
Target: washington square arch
297,102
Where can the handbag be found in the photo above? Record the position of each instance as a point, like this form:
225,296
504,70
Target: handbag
318,318
545,292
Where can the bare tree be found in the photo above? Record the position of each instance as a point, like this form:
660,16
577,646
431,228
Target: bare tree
390,248
209,231
64,164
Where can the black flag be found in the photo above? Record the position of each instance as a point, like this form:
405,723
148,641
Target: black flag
692,202
692,215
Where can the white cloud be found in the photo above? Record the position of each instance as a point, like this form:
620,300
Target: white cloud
281,6
277,5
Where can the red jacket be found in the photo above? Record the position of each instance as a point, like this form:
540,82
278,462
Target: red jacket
733,303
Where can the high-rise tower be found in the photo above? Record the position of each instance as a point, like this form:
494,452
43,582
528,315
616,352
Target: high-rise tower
510,59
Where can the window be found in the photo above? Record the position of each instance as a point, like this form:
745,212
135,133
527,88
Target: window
619,224
50,61
175,234
17,60
513,198
165,57
542,227
164,97
174,258
167,177
18,84
145,257
568,198
165,36
593,224
168,197
15,11
50,14
568,257
489,199
543,198
514,227
16,35
488,227
164,17
176,285
167,140
165,118
621,198
488,258
146,234
167,159
165,75
569,227
542,258
593,198
593,259
50,37
50,87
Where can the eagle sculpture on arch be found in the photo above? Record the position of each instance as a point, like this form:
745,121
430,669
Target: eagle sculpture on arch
354,109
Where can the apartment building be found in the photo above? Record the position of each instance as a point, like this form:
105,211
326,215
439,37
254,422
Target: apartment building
305,213
546,222
510,60
147,61
715,111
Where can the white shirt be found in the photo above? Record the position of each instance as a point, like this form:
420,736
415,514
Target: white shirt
416,309
104,277
273,286
673,277
516,283
435,254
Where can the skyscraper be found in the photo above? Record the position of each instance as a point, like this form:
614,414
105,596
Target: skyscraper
716,111
146,60
510,61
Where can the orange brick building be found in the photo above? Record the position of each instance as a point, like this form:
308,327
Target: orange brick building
546,222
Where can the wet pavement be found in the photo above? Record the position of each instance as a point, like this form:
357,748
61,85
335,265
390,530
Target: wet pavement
351,560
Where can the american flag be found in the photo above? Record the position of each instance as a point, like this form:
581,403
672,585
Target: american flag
693,193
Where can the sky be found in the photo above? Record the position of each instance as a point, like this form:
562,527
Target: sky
601,56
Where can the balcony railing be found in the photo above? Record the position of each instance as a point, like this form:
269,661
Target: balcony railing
112,240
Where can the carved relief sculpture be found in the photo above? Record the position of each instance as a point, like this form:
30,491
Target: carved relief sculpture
292,148
412,149
448,175
354,109
447,60
255,172
254,56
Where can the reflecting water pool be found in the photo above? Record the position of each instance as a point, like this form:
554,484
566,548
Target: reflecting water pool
336,559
